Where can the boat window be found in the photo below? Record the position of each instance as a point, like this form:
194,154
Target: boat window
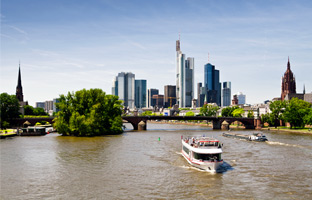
208,157
209,144
186,150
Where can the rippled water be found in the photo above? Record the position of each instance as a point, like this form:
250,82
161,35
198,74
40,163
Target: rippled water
136,165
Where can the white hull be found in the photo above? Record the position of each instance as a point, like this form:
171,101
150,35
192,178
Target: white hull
205,165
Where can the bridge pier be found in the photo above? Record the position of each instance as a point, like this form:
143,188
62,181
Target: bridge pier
216,124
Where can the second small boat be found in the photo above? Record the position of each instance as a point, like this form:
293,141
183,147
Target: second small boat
258,137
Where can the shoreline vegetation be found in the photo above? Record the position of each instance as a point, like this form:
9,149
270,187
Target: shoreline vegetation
284,129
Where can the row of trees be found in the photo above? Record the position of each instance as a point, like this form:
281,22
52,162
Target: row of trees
234,111
296,112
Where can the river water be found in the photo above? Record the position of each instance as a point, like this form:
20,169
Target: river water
137,165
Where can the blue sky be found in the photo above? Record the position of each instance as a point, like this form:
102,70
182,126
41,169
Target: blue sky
74,44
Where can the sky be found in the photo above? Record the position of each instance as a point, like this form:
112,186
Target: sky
65,46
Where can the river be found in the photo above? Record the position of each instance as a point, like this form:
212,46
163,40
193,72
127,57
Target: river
137,165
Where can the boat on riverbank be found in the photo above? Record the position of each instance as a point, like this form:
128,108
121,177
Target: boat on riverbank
202,152
33,131
7,133
258,137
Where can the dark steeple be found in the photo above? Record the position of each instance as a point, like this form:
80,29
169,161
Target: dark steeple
288,82
19,88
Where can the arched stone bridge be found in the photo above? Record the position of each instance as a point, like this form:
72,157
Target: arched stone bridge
249,123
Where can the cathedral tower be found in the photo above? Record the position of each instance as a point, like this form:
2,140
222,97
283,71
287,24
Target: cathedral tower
288,82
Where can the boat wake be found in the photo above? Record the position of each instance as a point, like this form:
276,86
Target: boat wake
284,144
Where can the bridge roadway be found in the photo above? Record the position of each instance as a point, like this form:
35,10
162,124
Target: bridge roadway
249,123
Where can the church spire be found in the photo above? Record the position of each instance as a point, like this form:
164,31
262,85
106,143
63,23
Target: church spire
303,88
288,64
19,88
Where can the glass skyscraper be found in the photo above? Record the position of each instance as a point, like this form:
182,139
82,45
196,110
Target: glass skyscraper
123,87
140,93
226,94
152,92
212,84
184,78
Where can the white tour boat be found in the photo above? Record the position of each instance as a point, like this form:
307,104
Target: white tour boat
202,152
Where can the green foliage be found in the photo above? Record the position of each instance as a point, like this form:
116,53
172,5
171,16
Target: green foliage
295,112
277,109
190,113
88,113
209,110
9,107
308,117
35,116
238,112
147,113
250,114
228,111
184,108
29,110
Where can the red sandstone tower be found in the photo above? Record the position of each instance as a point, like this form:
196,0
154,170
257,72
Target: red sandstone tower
288,82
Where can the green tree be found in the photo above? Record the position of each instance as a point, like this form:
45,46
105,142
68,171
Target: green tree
308,117
238,112
28,110
88,113
190,113
39,111
295,112
250,114
9,109
277,108
227,112
209,110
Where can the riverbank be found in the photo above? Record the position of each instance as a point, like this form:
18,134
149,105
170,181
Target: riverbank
302,131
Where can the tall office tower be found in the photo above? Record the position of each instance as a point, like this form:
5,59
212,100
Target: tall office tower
241,98
158,99
48,106
288,82
55,101
212,84
226,94
170,95
151,92
189,82
201,92
40,105
184,78
140,93
115,87
123,87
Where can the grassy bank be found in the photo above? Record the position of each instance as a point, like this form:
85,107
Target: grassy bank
293,130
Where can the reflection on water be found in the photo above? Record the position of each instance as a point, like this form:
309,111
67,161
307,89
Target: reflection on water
136,165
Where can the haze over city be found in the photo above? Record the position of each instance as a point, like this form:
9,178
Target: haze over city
70,45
